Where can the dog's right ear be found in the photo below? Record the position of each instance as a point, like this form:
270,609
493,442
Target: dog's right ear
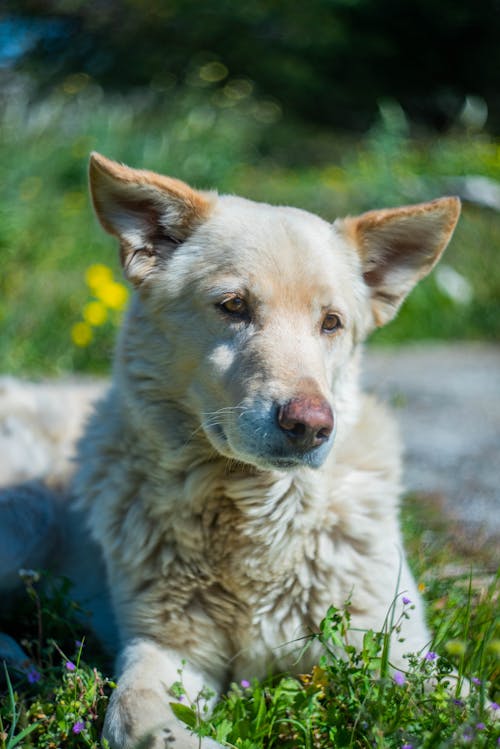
150,214
398,247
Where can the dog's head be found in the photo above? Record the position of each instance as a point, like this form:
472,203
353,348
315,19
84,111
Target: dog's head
247,316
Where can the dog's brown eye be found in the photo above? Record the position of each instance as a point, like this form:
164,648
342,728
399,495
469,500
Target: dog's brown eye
331,323
235,306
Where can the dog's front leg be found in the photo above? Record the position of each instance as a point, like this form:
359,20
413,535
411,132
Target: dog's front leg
139,713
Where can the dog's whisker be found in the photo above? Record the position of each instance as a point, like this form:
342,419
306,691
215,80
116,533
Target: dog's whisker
224,410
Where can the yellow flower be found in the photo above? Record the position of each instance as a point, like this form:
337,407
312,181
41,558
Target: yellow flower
97,275
113,294
81,334
421,587
95,313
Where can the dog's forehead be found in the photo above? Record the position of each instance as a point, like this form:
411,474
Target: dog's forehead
268,224
274,242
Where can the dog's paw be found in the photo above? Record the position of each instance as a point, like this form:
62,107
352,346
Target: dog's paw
142,719
168,737
178,738
162,738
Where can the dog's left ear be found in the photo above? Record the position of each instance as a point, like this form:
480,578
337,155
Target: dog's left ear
398,247
149,213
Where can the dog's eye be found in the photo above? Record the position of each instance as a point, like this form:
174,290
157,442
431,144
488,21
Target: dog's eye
331,323
235,306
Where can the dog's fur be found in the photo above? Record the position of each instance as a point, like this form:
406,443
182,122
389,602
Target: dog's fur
235,477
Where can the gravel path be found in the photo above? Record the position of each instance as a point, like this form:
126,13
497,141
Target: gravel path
447,400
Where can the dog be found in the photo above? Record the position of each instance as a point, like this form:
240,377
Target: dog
235,477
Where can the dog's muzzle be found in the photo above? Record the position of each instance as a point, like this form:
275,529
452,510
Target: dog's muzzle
298,432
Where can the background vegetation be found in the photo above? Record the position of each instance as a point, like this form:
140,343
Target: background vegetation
340,106
325,61
229,138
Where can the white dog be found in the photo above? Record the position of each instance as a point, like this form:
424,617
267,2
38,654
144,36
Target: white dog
235,477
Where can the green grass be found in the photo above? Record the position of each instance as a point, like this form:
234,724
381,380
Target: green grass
354,700
350,702
49,236
60,699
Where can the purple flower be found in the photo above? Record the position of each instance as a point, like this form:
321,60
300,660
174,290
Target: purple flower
78,727
480,726
399,678
70,665
244,683
495,706
406,601
78,644
33,676
430,656
476,681
407,746
458,702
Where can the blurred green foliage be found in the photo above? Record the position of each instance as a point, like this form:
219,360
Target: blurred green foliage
230,139
326,61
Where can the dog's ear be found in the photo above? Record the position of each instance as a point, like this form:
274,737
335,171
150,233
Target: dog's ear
149,213
398,247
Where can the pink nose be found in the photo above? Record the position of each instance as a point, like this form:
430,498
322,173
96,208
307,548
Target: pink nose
306,420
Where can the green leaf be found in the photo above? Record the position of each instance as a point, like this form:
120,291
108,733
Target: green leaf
184,713
20,736
261,713
223,730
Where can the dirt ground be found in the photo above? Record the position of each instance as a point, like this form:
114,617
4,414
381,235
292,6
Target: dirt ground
447,400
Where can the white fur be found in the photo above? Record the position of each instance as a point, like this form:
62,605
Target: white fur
224,543
215,555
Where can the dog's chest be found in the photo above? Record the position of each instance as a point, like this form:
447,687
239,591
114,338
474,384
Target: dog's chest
276,566
257,564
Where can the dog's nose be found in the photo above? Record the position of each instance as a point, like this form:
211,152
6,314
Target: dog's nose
306,420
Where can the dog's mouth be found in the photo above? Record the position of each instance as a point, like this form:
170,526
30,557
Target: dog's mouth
269,449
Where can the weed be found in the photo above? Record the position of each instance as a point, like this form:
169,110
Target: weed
353,699
56,701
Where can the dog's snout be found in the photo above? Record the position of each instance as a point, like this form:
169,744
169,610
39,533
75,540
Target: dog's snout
306,420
